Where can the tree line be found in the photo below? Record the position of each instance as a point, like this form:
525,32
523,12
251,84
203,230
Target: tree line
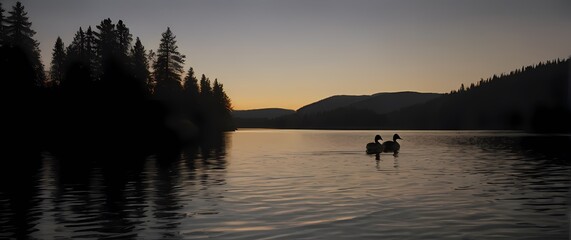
518,73
534,98
104,84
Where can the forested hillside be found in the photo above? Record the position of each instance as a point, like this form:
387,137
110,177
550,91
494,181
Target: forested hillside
534,98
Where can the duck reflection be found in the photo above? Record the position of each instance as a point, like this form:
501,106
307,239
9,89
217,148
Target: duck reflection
378,161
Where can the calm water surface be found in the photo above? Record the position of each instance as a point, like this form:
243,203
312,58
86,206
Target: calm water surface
294,184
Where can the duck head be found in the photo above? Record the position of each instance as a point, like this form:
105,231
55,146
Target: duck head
395,137
377,138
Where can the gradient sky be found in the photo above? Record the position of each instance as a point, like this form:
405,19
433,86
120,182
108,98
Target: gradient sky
289,53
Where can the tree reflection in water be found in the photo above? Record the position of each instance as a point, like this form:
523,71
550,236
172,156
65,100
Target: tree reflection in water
104,195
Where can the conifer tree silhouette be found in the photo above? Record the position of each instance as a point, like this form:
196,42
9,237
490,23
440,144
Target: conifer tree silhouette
19,33
57,68
168,67
140,63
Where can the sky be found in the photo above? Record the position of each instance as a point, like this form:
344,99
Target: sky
290,53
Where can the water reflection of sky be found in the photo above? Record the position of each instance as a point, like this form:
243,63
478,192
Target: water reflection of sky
296,184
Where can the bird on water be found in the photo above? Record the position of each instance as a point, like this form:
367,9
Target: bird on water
392,146
375,147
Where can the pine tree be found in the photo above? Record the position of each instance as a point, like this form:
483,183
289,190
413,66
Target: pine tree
168,66
57,68
140,62
78,59
191,95
205,89
205,99
83,49
124,39
19,33
76,49
215,106
106,39
90,51
18,30
221,99
190,85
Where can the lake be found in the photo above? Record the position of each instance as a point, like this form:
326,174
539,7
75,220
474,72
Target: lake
303,184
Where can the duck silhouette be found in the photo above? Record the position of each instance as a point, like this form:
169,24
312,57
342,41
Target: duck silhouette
375,147
392,146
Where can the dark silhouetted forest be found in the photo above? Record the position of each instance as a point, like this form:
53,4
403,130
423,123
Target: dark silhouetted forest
534,98
104,92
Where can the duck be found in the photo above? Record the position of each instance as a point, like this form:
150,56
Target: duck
375,147
392,146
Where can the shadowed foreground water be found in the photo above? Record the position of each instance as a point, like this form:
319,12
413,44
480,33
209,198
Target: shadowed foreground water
286,184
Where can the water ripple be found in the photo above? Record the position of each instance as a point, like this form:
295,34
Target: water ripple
304,185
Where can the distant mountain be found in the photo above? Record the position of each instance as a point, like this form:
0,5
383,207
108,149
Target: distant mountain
387,102
266,113
379,103
534,98
331,103
332,112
